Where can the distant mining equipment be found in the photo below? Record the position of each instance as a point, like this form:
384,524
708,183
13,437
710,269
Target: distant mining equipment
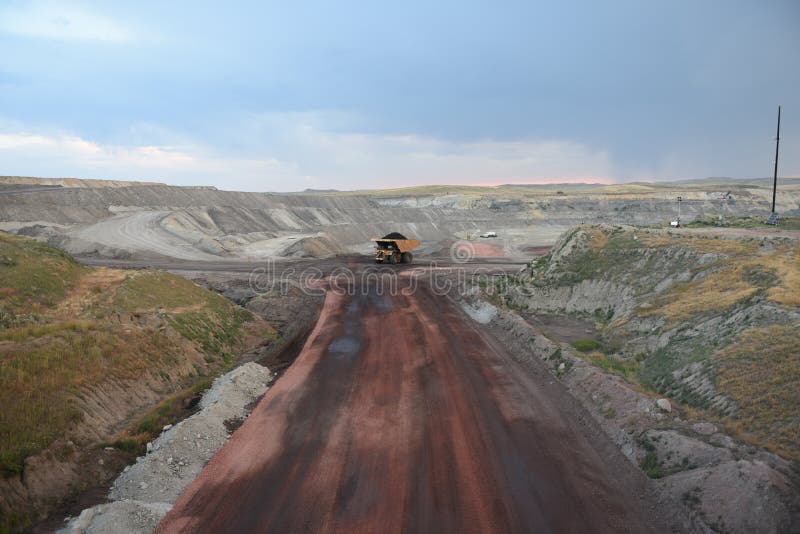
723,203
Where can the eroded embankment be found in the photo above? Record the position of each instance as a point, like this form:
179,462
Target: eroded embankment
704,326
145,491
93,362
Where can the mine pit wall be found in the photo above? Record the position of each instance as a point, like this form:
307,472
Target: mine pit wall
219,222
267,212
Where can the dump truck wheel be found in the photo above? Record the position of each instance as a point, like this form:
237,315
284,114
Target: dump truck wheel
395,258
407,257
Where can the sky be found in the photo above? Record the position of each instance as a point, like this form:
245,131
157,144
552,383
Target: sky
284,96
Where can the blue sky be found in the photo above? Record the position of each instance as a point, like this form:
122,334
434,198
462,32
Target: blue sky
280,96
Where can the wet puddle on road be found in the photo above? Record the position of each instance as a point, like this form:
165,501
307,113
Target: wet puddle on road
348,345
345,347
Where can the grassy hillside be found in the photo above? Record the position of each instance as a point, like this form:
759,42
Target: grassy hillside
34,277
709,322
66,329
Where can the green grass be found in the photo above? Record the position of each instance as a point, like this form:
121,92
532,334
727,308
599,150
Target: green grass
587,345
650,465
38,383
33,331
167,411
48,357
34,275
216,331
604,252
622,367
153,290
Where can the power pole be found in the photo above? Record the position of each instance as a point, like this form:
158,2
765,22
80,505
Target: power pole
775,176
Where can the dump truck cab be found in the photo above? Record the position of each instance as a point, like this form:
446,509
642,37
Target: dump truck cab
394,248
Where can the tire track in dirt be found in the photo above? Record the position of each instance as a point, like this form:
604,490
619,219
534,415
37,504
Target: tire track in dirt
142,232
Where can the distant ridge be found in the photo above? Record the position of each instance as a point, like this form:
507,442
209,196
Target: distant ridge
70,182
16,182
723,180
567,185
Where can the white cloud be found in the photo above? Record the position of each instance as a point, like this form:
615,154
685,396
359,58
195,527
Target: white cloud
57,155
289,153
25,141
61,21
357,160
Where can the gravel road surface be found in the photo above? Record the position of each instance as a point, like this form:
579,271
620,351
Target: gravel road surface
402,415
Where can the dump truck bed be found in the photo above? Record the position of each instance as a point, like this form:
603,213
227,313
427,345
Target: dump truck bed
403,245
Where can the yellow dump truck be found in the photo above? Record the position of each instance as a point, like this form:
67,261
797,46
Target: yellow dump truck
394,248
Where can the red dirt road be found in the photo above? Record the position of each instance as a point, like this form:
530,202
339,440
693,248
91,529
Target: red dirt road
400,415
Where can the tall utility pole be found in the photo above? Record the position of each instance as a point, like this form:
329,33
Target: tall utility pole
775,176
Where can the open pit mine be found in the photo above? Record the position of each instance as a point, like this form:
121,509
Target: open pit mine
430,359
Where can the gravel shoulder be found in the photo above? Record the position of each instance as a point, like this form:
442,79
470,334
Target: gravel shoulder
145,491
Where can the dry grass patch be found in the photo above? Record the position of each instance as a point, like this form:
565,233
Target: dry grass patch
786,264
733,247
738,277
718,291
726,246
598,238
94,288
655,240
38,381
761,373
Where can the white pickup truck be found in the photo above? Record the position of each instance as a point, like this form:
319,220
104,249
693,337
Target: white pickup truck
489,234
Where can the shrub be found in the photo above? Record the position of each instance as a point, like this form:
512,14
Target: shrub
587,345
